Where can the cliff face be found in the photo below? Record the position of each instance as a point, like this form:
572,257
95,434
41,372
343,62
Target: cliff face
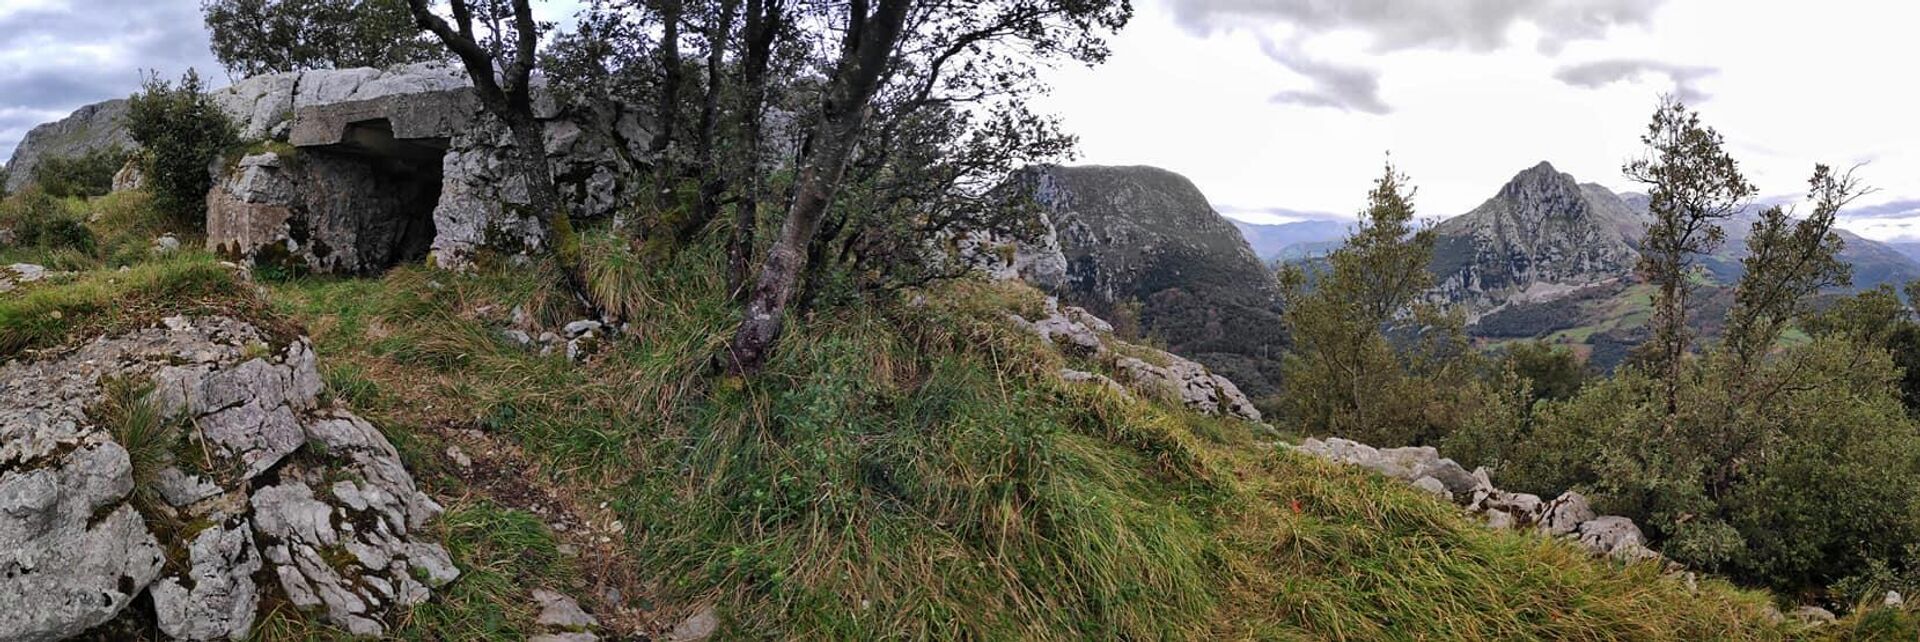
1542,232
90,128
1147,237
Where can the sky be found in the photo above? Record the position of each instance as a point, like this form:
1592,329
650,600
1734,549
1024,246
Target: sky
1287,109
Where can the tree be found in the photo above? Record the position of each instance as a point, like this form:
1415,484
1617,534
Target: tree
766,20
182,131
1787,262
871,35
253,37
1692,183
509,97
922,55
86,176
1370,360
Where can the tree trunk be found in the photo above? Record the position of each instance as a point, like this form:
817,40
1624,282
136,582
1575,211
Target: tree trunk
712,181
762,28
869,43
668,107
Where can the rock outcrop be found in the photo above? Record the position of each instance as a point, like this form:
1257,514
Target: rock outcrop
1138,369
1567,516
241,485
381,166
1143,244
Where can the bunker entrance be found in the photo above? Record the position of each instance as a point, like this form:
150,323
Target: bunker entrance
378,193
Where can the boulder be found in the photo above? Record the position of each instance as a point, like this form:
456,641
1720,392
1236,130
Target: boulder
1614,536
1565,513
558,610
286,497
1814,615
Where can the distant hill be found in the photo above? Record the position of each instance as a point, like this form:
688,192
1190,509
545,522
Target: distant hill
1295,240
1541,235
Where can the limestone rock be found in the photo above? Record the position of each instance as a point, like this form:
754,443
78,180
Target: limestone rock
561,611
1814,615
354,548
1435,486
66,571
1565,513
218,598
700,626
1613,536
130,177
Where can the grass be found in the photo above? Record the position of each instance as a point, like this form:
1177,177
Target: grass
101,301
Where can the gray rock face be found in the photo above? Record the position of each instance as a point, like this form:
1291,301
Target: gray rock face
90,128
1541,235
1145,240
263,445
391,164
1154,373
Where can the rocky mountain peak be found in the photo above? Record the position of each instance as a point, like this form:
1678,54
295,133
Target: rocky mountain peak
1542,187
1542,232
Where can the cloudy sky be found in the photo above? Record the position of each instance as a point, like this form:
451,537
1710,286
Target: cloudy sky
1282,107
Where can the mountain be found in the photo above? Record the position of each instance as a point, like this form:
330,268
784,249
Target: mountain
1911,249
1874,263
1295,240
1143,247
1543,233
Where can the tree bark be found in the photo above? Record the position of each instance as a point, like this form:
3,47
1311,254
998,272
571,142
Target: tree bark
763,25
668,107
712,180
510,98
857,77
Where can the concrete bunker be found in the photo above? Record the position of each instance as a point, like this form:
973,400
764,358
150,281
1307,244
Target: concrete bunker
352,190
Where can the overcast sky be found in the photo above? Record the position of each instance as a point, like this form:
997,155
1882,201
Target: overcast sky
1293,105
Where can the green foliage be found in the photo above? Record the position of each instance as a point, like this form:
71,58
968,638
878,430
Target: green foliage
255,37
182,131
85,176
1551,372
35,219
127,411
1795,484
1346,375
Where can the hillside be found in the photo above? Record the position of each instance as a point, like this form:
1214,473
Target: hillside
1143,247
916,468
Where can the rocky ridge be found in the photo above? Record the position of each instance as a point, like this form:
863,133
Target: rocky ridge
268,491
1140,370
1568,515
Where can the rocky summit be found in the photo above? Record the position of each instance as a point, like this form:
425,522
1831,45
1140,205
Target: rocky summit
1543,233
1142,246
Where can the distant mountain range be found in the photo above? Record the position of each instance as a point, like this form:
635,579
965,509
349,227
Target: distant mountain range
1296,240
1548,257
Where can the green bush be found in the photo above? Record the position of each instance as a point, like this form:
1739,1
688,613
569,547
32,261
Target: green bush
183,131
85,176
1795,477
35,219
